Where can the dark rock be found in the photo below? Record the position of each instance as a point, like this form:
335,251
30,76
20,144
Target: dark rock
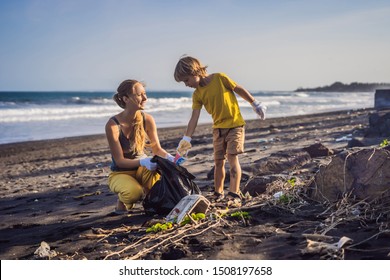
258,185
379,124
318,150
362,173
355,143
382,98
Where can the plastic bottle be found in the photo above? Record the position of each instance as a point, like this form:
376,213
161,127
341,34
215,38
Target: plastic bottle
179,160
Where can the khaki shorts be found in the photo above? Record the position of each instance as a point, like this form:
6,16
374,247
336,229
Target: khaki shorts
228,141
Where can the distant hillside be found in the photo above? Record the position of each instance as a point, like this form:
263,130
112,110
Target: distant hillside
353,87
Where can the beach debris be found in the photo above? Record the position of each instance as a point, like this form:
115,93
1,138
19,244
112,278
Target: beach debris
262,140
44,251
332,250
283,197
189,204
149,243
347,137
98,192
278,195
247,196
234,202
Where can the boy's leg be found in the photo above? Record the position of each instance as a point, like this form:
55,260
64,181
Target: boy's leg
219,158
235,146
235,173
219,175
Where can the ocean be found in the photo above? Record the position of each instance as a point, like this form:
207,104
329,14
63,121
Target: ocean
27,116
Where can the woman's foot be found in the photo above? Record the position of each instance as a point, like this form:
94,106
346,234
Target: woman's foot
120,208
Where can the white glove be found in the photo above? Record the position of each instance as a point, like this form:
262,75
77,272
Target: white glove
170,157
145,162
184,145
259,109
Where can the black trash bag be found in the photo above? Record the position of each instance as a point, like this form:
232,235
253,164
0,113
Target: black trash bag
174,184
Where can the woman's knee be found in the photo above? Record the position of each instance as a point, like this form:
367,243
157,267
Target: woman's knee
128,189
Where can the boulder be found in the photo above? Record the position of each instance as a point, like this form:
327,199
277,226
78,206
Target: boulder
379,124
382,98
361,173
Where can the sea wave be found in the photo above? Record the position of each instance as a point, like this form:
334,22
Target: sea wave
36,116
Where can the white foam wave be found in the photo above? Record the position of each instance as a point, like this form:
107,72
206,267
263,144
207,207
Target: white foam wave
31,113
55,113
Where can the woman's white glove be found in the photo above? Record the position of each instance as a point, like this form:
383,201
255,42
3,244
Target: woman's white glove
145,162
184,145
259,109
170,157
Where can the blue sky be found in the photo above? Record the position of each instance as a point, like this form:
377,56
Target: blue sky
262,45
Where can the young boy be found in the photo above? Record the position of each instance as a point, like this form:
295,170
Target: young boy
216,93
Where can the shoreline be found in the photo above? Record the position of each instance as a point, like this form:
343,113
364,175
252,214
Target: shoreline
202,126
56,191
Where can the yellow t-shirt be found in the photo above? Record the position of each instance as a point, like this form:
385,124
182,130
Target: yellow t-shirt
219,101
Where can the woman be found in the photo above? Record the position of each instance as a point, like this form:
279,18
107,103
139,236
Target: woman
132,172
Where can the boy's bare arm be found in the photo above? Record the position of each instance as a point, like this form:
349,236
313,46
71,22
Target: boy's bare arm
193,122
258,108
244,93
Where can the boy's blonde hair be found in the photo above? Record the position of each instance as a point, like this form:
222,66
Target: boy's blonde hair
189,66
138,136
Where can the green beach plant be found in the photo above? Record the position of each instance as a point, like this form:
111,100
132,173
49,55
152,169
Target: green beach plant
292,181
241,215
195,217
384,143
159,227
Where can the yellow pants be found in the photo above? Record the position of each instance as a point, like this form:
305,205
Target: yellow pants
131,186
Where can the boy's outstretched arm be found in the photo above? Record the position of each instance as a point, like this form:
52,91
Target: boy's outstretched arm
259,108
193,122
244,93
185,143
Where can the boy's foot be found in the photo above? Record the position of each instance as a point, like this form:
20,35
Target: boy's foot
217,197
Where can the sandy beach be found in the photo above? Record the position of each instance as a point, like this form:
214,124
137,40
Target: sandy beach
56,191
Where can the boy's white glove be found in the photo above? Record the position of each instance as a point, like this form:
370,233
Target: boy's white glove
145,162
259,109
170,157
184,145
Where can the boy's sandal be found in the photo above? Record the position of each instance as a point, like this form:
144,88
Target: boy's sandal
232,195
217,197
